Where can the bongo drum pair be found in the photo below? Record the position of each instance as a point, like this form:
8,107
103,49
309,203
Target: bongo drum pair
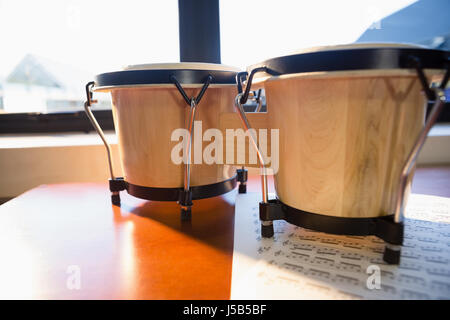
351,123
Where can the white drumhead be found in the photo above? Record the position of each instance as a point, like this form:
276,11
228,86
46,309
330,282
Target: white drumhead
182,66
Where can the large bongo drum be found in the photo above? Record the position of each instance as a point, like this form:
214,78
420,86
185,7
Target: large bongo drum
150,102
351,123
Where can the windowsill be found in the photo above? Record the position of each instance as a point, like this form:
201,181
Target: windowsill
440,129
29,160
40,140
436,148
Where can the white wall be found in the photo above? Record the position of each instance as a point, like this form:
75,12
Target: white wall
27,162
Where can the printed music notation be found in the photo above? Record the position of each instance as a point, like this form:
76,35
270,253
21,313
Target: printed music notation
304,264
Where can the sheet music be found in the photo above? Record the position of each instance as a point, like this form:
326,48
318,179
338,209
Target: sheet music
304,264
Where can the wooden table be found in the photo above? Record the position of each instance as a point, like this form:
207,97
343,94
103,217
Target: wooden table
142,250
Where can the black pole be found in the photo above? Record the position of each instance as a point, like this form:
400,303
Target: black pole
199,30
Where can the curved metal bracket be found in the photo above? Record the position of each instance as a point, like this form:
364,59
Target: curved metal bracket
87,109
239,80
412,157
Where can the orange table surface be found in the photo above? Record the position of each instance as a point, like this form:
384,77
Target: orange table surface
138,251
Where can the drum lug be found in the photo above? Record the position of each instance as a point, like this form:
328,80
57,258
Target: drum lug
242,177
271,210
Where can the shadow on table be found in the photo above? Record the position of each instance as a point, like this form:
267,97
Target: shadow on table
212,219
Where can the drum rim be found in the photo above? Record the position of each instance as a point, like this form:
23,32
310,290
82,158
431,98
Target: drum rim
154,77
383,226
352,59
173,194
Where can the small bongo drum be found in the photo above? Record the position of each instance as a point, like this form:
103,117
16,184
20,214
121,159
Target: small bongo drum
150,102
351,123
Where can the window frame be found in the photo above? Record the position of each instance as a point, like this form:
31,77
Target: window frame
36,122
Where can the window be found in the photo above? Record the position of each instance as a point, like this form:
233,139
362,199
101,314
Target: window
52,48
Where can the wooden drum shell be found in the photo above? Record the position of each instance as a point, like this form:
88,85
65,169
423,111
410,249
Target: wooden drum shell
145,118
344,138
